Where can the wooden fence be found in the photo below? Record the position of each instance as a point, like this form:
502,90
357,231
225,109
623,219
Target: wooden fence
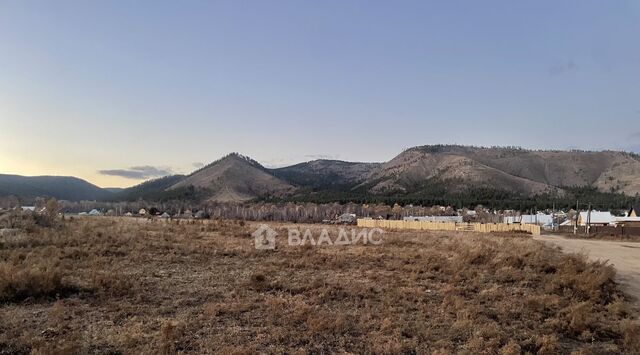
450,226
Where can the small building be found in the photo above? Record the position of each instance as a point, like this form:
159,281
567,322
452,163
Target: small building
347,218
165,215
627,221
94,212
142,212
540,219
128,214
560,214
597,218
634,211
185,214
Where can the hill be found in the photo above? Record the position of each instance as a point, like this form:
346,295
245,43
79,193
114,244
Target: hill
516,170
152,190
60,187
235,178
326,174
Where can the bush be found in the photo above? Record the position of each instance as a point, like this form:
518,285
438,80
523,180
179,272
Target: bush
21,281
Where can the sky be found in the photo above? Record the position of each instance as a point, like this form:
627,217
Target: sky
116,92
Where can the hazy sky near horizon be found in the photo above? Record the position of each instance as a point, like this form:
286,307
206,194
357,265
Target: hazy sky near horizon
118,91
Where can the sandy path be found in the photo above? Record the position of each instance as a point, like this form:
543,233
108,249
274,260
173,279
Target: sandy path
624,256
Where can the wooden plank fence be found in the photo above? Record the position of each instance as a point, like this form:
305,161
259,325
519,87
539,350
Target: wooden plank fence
449,226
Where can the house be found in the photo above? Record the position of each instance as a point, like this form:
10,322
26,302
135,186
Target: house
347,218
634,211
595,218
560,214
142,212
455,219
627,221
540,219
165,215
94,212
128,214
185,214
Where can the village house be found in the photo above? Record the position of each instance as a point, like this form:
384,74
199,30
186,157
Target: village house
347,218
540,219
627,221
596,218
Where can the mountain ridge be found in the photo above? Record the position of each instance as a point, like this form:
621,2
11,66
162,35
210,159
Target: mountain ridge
416,171
60,187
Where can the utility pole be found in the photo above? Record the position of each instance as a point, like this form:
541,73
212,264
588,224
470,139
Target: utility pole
575,225
589,219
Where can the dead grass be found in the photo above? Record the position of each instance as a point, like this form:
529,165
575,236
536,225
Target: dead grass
116,286
25,278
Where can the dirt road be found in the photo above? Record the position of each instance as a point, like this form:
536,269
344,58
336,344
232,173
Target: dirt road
624,256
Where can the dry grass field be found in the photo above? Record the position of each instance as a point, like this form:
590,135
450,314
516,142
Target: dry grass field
108,286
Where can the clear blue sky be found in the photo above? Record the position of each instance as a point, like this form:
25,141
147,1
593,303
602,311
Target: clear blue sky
87,86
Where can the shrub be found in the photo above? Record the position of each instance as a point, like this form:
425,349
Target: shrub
21,281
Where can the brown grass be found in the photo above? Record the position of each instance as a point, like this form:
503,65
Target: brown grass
21,280
116,286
